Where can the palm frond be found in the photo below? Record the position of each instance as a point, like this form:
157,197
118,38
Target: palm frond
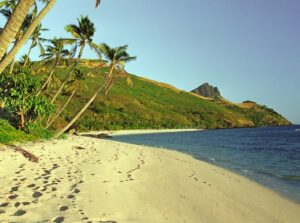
74,30
42,50
98,3
6,13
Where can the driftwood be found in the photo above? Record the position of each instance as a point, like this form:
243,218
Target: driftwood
25,153
98,136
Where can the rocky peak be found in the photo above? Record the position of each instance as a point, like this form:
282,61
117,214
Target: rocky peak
208,91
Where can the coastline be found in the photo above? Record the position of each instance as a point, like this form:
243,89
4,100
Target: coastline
82,179
139,131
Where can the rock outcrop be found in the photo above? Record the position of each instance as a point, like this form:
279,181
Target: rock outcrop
208,91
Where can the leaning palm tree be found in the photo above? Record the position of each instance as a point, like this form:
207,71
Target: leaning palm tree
36,40
23,59
13,25
73,86
117,57
54,52
7,13
19,44
82,35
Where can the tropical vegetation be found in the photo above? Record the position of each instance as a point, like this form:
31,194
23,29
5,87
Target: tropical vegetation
63,91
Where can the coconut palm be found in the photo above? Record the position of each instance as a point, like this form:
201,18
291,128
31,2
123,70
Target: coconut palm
73,86
7,13
36,40
117,57
54,52
20,43
13,25
24,59
82,35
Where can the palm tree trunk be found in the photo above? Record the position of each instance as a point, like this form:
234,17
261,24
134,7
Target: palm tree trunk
110,80
109,85
49,78
61,110
13,25
28,54
77,116
69,74
11,68
9,57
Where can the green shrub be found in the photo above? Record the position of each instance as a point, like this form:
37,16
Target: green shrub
18,93
9,134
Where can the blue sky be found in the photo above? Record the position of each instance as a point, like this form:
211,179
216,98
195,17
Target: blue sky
249,49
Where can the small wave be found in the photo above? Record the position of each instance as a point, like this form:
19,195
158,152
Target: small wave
250,172
291,178
212,159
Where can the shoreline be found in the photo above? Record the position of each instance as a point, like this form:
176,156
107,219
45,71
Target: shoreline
254,178
81,179
138,131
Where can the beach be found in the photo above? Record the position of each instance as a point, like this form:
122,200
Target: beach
84,179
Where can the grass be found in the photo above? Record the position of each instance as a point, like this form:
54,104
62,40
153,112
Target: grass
148,104
145,104
9,134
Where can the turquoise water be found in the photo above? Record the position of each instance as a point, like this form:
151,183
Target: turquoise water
269,156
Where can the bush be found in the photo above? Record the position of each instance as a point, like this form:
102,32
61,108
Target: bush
9,134
18,93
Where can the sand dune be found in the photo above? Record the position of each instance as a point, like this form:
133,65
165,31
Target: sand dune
83,179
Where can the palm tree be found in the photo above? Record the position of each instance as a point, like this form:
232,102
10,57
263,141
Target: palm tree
23,59
19,44
82,35
54,52
13,25
74,86
7,12
117,57
36,40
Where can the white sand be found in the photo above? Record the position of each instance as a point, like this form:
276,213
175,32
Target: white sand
118,182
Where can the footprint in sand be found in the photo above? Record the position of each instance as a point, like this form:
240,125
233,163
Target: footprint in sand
31,185
63,208
37,194
3,205
76,191
25,203
20,213
58,219
71,196
12,197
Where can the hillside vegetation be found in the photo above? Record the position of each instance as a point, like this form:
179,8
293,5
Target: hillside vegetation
139,103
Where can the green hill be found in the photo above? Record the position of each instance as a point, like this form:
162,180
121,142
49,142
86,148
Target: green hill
140,103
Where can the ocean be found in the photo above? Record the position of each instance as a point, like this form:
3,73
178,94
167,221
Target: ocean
268,155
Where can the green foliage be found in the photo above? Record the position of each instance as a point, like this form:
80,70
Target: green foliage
37,129
149,105
18,96
9,134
